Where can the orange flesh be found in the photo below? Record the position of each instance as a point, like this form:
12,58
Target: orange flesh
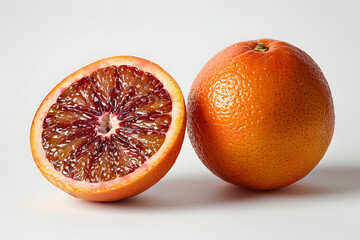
107,124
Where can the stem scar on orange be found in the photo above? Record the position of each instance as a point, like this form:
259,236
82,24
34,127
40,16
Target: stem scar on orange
260,114
110,130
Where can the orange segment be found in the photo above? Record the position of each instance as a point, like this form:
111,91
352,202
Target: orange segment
81,95
153,123
102,123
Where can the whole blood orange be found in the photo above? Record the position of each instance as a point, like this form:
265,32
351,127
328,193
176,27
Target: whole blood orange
260,114
110,130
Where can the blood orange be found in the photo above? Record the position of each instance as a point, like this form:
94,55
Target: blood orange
261,114
110,130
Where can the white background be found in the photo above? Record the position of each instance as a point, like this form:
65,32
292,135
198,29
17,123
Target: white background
42,42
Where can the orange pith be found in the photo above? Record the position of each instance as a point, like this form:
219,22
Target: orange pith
110,130
260,116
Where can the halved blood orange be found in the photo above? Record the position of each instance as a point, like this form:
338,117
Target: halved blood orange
110,130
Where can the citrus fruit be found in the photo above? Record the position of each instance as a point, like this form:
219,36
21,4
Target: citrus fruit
260,114
110,130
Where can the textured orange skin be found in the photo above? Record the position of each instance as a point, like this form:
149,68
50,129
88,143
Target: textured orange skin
261,120
142,178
